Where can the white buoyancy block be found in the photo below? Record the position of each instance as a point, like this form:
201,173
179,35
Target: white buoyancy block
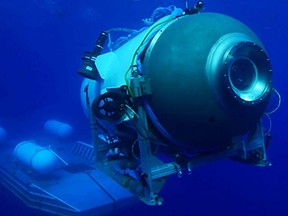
57,128
35,157
3,134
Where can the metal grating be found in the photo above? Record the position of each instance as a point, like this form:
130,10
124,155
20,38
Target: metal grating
84,150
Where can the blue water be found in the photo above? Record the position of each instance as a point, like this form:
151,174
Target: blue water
41,45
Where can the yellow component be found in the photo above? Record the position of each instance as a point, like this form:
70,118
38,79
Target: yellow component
135,53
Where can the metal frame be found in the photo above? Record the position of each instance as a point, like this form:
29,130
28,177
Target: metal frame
249,148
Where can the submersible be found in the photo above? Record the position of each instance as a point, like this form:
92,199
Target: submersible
191,86
187,89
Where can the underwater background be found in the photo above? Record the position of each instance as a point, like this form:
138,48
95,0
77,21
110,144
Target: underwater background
41,45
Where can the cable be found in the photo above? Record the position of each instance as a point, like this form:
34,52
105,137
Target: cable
135,124
150,137
117,42
279,102
270,124
132,150
121,30
135,53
